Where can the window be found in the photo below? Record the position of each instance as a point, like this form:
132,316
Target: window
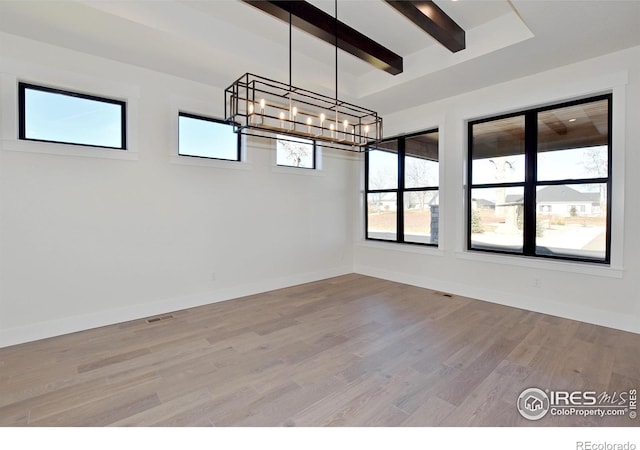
540,182
204,137
54,115
401,188
295,152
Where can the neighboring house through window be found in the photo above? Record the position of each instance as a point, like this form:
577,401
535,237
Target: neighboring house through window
540,182
402,189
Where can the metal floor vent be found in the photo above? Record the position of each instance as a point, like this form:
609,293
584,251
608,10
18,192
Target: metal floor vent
159,318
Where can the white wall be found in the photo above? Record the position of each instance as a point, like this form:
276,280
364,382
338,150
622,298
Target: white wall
606,296
87,241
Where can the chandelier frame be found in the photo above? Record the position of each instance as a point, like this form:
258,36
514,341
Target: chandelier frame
262,107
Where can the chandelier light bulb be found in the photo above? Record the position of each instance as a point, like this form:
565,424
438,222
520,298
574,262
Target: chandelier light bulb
292,116
309,123
250,111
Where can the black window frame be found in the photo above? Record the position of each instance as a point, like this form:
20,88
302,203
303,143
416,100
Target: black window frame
210,119
400,189
531,182
23,86
313,157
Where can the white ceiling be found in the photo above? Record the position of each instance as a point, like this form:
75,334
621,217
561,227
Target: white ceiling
215,41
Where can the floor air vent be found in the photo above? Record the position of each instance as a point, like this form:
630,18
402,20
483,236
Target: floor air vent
160,318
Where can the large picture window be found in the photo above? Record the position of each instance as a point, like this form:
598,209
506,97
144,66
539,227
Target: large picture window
540,182
204,137
54,115
401,188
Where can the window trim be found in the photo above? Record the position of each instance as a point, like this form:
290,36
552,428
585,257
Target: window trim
215,120
400,189
313,157
23,86
530,182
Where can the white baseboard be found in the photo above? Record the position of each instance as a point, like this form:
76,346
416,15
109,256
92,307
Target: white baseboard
43,330
522,301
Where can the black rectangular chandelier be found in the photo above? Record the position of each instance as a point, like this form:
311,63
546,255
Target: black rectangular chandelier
259,106
263,107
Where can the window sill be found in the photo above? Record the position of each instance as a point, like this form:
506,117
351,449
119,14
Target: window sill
209,162
545,264
50,148
403,248
298,171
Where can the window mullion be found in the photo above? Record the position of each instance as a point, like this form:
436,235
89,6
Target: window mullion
400,197
531,174
609,176
366,193
469,184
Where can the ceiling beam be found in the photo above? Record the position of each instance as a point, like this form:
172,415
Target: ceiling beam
316,22
428,16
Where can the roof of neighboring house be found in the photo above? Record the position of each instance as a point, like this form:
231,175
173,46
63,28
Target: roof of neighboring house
483,203
558,194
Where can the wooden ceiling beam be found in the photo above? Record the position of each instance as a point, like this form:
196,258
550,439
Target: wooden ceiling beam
316,22
429,17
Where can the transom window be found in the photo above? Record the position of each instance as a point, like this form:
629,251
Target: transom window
402,189
205,137
65,117
540,182
295,152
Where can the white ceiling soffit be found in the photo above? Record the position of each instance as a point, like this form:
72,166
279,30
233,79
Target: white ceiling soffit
238,39
216,41
564,32
497,33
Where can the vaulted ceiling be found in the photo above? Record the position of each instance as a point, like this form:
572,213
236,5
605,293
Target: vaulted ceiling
215,41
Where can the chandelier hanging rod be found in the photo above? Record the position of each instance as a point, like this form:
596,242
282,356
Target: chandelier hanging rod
316,22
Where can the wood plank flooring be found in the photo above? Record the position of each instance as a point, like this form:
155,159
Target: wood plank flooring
348,351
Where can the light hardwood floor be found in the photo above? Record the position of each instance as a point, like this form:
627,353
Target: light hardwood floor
348,351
